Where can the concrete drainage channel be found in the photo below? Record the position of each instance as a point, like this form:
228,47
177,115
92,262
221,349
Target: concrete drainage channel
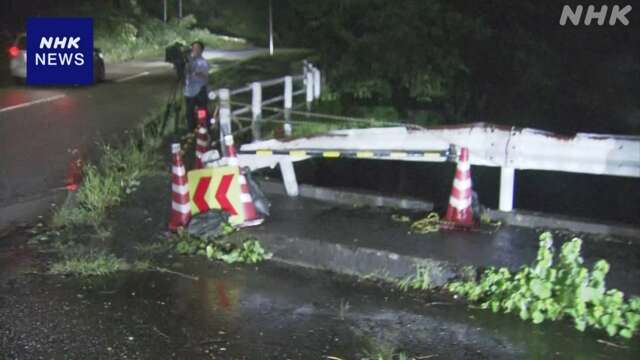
353,233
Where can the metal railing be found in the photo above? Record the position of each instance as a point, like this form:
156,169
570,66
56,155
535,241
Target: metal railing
510,149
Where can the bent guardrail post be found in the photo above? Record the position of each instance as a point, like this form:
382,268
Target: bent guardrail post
289,176
256,109
225,118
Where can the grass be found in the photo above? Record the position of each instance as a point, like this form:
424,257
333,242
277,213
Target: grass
92,264
263,67
116,175
420,281
96,264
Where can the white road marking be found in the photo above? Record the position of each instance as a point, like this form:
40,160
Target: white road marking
34,102
126,78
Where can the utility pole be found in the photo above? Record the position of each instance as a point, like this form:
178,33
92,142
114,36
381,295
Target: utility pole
270,29
164,11
179,9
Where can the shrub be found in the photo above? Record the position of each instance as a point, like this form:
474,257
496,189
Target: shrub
553,290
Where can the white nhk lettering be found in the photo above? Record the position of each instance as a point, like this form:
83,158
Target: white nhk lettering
55,58
45,42
618,14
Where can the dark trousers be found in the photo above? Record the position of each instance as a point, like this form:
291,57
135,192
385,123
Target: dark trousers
192,103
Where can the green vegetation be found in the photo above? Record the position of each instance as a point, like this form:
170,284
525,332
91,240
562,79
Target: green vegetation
457,61
125,29
125,37
248,251
262,67
554,287
420,281
116,175
92,264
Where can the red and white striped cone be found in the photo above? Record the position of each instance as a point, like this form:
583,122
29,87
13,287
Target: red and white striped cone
251,217
180,208
232,155
202,145
460,211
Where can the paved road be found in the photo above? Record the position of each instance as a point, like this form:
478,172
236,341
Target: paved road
256,312
43,129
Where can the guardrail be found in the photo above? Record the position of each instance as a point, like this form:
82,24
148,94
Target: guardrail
311,80
509,148
489,145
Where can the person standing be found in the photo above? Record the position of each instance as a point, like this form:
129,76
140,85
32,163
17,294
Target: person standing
195,84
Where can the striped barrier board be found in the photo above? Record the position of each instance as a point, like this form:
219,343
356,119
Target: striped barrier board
436,155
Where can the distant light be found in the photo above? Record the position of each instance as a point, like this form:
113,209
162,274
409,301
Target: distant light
202,114
14,51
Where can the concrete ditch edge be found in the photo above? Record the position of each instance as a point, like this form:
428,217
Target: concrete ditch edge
359,261
521,218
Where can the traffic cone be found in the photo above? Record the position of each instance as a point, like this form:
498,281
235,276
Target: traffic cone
459,212
251,217
202,145
180,207
232,155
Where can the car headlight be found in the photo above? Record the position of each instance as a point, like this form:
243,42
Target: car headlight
100,55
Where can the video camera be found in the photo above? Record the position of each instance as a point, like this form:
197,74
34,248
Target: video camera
178,55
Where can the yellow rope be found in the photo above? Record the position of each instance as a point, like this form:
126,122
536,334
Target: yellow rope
429,224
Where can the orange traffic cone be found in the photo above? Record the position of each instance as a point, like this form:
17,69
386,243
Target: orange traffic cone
202,145
180,208
251,217
459,211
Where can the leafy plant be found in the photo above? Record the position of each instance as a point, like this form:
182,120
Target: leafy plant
550,290
249,251
420,281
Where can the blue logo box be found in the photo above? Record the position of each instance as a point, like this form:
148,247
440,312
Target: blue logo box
59,51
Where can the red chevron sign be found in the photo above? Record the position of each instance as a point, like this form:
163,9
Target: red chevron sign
221,194
201,191
216,188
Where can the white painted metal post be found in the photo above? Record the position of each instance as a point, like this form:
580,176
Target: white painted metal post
507,182
288,104
270,29
164,10
309,89
288,92
225,117
256,109
289,177
316,83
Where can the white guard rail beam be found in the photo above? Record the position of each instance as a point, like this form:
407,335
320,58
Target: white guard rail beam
489,145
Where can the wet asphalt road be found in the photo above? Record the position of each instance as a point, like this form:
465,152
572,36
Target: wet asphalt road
256,312
39,140
44,129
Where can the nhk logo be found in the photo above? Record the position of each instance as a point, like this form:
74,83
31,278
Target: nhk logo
59,51
618,14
